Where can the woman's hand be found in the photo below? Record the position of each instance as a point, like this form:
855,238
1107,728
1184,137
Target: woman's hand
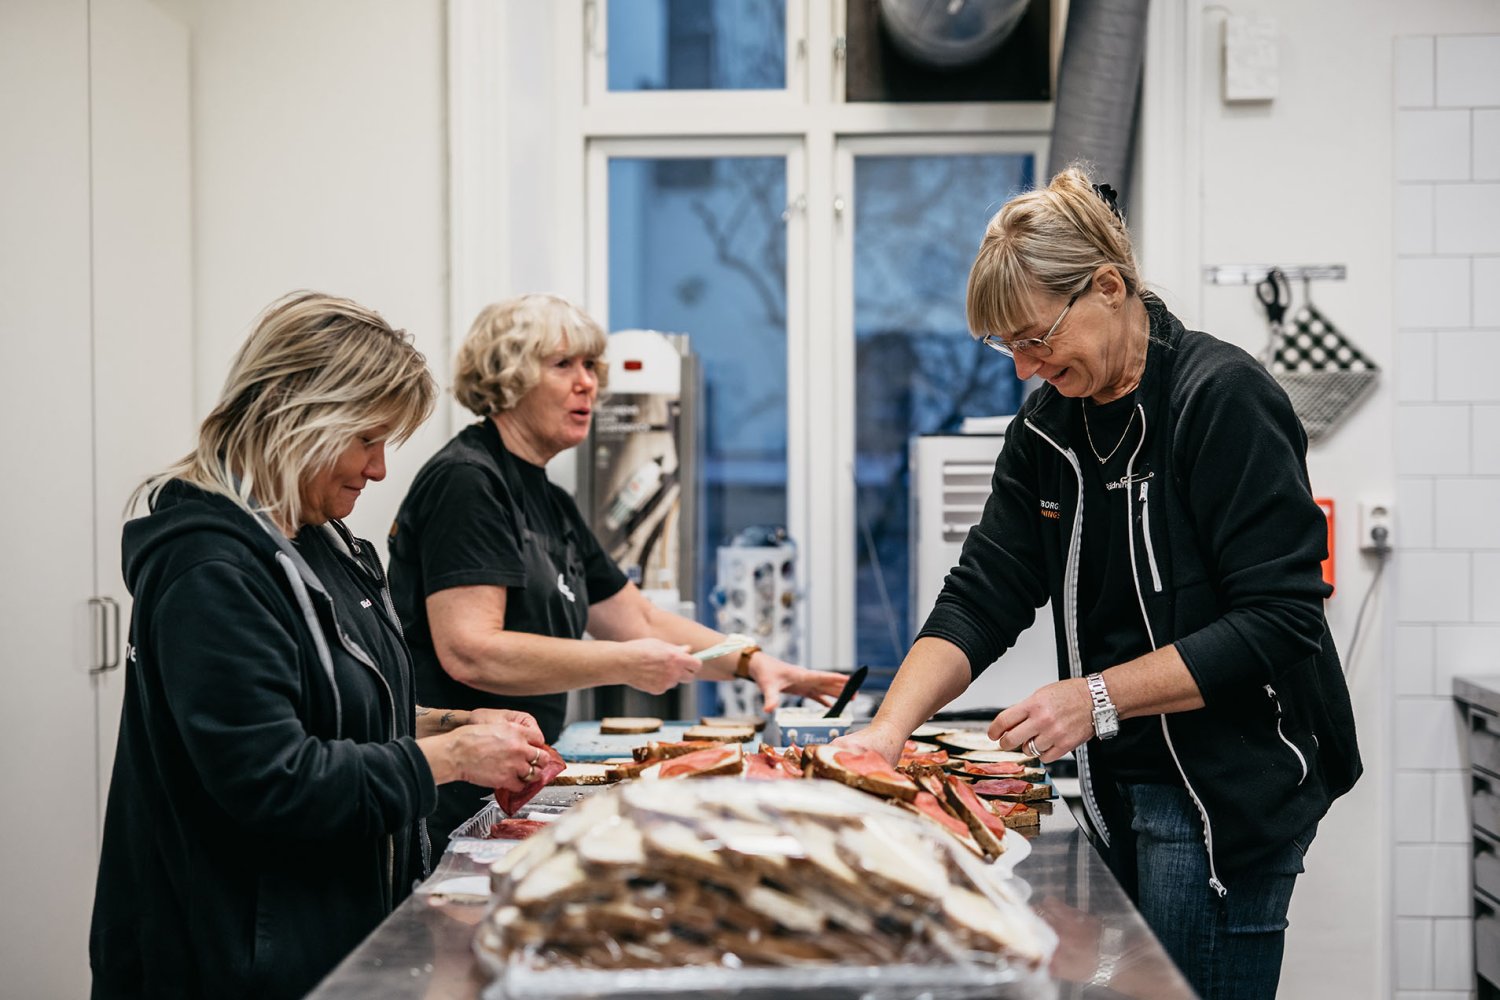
1057,717
776,677
505,717
495,756
656,667
881,739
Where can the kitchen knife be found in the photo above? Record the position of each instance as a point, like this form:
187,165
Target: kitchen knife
851,686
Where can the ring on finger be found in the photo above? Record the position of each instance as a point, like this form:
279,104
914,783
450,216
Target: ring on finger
1031,747
536,760
530,773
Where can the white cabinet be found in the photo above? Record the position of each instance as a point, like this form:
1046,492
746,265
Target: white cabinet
95,344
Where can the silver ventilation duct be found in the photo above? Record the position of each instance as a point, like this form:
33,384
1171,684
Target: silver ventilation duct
1098,89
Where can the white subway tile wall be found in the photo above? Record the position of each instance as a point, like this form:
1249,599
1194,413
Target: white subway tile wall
1433,291
1432,440
1413,953
1433,145
1446,108
1487,144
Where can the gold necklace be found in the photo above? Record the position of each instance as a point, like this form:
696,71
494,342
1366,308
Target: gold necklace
1090,435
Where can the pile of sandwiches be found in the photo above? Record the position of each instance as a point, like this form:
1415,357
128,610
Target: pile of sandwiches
656,875
960,781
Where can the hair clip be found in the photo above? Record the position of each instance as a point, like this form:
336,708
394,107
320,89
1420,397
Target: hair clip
1108,196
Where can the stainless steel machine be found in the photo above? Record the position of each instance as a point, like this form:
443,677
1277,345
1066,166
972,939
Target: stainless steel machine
638,486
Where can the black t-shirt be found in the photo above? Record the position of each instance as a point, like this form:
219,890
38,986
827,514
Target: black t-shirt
1111,630
478,515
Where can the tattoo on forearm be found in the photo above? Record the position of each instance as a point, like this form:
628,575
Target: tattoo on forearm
423,710
445,721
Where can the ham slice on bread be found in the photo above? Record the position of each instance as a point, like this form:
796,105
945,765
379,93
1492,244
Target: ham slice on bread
926,804
714,761
768,766
1012,788
918,764
998,769
1014,814
987,829
862,769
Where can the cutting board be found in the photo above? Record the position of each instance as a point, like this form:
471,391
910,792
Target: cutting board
583,741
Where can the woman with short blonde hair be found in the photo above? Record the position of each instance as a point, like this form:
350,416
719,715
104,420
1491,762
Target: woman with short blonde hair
271,778
1154,489
501,358
496,574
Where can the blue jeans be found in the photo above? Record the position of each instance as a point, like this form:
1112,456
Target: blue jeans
1228,947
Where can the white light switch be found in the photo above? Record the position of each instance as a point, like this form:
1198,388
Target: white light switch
1250,59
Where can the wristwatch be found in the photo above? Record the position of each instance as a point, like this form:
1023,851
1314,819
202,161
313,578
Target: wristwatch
1106,719
742,665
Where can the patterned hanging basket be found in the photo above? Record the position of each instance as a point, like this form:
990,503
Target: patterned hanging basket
1325,375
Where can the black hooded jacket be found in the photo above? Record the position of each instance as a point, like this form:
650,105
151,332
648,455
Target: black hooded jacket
1226,543
265,808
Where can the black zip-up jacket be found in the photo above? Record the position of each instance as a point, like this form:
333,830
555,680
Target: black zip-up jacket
1226,544
263,814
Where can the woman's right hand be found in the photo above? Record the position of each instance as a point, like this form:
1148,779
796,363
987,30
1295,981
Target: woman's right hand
655,667
883,740
491,755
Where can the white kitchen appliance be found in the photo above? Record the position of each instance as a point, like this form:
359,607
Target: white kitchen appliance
950,482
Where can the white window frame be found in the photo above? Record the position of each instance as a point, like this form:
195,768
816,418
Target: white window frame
789,149
840,405
808,122
652,103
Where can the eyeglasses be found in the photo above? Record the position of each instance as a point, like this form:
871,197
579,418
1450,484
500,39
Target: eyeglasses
1035,346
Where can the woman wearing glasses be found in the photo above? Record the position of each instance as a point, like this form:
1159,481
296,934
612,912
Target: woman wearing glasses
1155,490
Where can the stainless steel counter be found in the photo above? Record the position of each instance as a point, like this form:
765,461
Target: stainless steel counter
1482,690
422,950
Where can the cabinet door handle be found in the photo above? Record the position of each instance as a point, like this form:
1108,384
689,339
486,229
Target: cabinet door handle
106,634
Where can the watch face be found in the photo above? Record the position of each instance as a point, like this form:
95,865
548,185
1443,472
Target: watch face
1106,724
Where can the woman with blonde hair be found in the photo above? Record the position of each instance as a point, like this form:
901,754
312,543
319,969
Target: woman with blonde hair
266,807
1154,488
495,573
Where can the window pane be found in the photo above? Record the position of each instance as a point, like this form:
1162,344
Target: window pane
697,45
698,246
917,224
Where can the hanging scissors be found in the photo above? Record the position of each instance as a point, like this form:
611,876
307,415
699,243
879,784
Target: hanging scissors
1275,294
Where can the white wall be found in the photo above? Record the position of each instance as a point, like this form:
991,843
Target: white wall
1312,178
320,162
1447,278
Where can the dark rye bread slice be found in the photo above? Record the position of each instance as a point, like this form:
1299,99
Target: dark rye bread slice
662,751
987,829
862,769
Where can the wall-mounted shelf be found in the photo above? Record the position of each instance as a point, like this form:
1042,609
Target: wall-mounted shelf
1250,274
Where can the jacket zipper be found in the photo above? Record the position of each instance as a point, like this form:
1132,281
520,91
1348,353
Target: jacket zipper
1070,629
1301,760
1135,578
1146,537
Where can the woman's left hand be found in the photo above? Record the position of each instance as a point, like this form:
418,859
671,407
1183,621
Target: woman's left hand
1049,722
776,677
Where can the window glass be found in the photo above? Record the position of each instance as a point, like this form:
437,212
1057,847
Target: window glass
917,224
696,45
698,246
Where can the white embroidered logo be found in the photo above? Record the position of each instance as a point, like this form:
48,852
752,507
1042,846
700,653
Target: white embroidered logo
365,603
563,587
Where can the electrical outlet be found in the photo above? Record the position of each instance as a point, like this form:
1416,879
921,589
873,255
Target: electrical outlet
1376,527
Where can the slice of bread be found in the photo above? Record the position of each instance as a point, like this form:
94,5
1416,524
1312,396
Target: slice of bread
987,829
616,725
865,770
582,773
1016,815
721,734
663,751
755,722
708,763
1015,789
